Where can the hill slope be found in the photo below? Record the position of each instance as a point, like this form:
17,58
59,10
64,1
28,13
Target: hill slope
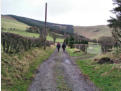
21,23
59,28
10,24
93,32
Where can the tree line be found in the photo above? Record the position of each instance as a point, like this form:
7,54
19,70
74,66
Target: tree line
77,41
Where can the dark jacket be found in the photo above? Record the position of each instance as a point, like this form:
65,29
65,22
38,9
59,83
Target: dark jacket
63,45
58,45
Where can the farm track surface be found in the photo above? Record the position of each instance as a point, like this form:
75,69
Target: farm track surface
60,73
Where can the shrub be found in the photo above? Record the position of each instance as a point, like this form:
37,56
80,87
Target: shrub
107,43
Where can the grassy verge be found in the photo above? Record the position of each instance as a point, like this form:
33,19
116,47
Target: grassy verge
106,76
80,54
18,70
71,52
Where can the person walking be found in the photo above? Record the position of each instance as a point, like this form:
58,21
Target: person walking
64,46
58,46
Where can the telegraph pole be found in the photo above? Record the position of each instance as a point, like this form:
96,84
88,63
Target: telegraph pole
45,30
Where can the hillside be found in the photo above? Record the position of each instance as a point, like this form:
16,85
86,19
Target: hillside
10,24
58,28
93,32
21,23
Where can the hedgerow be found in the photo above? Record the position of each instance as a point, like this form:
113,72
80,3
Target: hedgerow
14,43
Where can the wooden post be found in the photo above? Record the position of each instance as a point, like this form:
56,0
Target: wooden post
45,32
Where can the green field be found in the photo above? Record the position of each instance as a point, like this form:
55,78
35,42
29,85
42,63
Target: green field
8,22
94,48
57,40
23,33
107,77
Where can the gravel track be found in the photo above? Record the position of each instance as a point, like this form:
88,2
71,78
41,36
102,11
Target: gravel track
60,73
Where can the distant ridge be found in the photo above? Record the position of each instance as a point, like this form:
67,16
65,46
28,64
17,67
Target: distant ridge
93,32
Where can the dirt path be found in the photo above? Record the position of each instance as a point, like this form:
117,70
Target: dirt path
59,73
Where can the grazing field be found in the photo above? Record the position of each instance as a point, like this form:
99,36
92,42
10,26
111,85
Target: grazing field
23,33
9,22
94,48
57,40
107,77
11,25
18,70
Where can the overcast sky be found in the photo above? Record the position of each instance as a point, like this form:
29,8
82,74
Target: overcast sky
75,12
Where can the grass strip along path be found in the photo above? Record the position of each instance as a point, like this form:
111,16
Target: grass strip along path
107,77
18,70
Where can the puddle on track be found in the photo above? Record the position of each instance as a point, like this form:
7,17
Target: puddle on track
67,61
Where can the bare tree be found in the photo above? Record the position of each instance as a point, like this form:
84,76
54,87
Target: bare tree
107,43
